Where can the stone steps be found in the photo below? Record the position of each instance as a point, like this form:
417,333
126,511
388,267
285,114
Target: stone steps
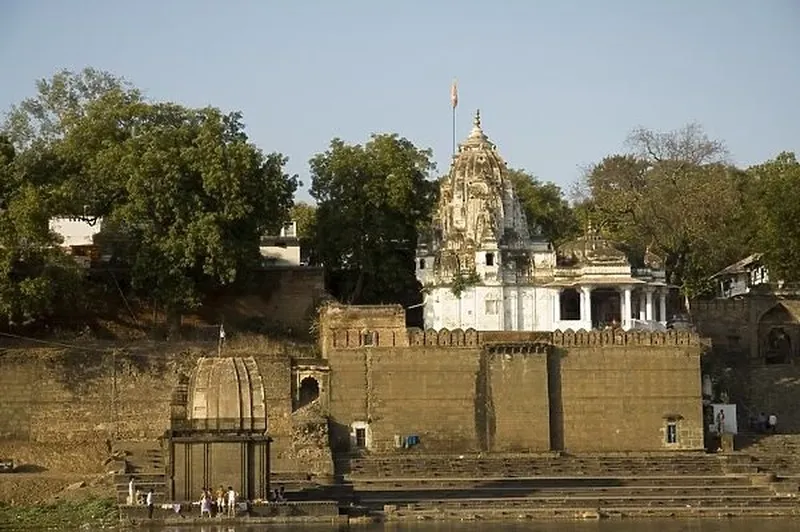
145,463
595,467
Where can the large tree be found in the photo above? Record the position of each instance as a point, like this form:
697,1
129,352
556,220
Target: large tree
183,190
545,207
676,195
372,201
37,279
778,211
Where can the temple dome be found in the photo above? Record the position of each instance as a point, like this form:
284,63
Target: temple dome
477,201
227,393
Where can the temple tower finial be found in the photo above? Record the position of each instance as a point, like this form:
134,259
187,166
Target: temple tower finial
477,121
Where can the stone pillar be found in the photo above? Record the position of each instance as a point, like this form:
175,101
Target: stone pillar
649,305
642,315
626,308
662,306
586,305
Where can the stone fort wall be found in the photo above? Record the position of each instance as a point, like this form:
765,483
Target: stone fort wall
510,391
77,396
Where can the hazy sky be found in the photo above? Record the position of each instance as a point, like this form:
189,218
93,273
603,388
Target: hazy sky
559,83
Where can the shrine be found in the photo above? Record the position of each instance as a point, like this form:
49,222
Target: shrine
483,268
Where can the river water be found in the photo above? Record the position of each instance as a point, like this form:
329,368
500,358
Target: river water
637,525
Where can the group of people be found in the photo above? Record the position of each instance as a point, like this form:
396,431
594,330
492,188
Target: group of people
136,497
766,423
219,503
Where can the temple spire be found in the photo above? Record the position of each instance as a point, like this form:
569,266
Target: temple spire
477,121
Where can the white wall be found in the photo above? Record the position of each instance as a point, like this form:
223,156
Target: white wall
491,308
281,256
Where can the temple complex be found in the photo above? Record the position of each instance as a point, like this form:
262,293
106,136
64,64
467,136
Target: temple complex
484,268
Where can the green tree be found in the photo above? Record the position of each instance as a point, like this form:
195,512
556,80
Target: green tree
305,215
183,191
37,279
545,207
372,200
778,211
676,196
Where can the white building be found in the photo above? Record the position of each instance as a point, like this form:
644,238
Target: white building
282,250
741,277
77,237
482,269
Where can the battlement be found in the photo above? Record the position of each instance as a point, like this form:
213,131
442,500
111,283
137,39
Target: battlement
470,338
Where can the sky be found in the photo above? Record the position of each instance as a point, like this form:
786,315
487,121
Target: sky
560,84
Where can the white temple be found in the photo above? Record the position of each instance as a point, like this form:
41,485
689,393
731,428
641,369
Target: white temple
482,268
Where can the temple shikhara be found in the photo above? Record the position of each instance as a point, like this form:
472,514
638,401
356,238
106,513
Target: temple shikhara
482,267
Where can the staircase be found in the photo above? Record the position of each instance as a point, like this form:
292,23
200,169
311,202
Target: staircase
144,461
563,486
776,453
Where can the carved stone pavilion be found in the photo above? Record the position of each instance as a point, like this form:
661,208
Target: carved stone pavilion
218,433
482,268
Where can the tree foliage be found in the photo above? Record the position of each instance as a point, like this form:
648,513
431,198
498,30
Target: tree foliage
675,195
184,195
372,201
546,209
778,210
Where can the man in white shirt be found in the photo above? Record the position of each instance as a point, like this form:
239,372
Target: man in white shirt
231,502
131,492
773,423
150,503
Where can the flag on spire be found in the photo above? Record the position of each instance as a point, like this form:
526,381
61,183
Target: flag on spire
454,94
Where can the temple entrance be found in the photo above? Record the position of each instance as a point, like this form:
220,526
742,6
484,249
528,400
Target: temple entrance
606,305
309,391
778,336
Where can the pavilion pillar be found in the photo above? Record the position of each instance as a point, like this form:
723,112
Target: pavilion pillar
662,305
648,304
586,305
642,314
556,308
626,308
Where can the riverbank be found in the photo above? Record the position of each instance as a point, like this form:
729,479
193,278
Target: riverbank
91,513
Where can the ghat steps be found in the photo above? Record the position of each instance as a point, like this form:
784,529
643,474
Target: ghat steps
553,486
144,461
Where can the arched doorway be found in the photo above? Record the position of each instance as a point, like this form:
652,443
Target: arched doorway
778,335
309,391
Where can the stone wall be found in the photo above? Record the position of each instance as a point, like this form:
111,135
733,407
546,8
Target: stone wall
578,392
620,399
71,395
51,395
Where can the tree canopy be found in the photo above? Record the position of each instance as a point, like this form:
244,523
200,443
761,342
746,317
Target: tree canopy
372,201
182,192
545,207
778,213
675,195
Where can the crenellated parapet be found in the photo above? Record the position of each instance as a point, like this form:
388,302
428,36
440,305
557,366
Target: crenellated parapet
618,337
470,338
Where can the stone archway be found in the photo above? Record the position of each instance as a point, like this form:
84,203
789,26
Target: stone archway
309,391
778,336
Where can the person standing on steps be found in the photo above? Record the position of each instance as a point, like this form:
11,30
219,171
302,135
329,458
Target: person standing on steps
231,502
773,423
150,503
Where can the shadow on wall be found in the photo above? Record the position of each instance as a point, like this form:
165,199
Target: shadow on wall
485,420
555,399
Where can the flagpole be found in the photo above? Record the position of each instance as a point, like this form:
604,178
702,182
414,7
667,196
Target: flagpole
454,131
454,104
